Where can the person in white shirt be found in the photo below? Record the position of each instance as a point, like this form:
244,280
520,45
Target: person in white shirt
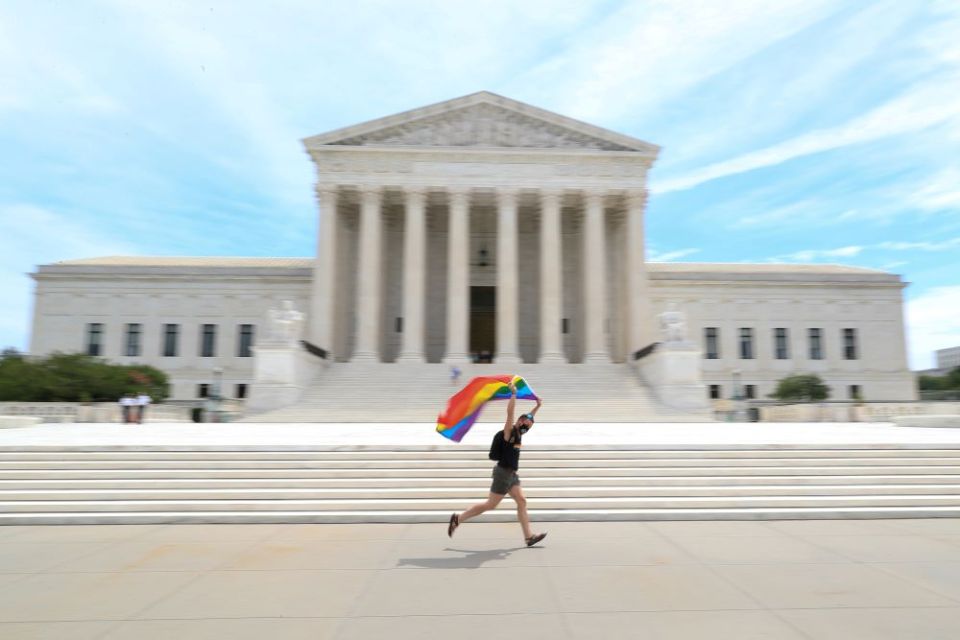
127,404
143,401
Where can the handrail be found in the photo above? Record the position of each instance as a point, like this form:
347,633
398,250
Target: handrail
647,350
315,350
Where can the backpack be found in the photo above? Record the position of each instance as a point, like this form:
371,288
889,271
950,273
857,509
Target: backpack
497,446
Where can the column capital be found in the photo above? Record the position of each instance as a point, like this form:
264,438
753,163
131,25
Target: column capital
415,195
326,190
550,195
459,195
636,197
371,194
593,195
507,196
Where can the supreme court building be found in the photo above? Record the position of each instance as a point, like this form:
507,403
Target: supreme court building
481,228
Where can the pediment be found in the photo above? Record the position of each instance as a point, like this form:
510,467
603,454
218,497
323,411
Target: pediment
481,120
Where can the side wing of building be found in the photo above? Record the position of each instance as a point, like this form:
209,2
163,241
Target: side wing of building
185,316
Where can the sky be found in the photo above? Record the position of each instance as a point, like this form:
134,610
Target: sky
807,131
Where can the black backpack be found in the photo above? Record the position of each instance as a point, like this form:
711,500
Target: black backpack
497,446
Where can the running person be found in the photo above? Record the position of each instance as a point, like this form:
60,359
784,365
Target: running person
505,478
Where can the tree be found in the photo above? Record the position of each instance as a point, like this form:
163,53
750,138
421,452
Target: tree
74,377
948,382
806,386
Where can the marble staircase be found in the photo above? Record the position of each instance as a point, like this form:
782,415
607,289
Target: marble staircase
357,392
392,483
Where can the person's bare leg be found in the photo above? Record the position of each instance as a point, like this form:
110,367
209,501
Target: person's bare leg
491,503
517,494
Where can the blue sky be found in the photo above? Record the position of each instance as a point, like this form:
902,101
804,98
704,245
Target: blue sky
793,131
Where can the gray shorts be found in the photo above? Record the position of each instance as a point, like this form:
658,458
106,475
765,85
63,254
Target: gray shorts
503,480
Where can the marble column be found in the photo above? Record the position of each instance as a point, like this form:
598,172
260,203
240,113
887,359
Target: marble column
551,274
323,288
414,276
639,316
458,277
507,274
595,283
369,277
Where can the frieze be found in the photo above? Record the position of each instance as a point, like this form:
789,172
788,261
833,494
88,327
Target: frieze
483,125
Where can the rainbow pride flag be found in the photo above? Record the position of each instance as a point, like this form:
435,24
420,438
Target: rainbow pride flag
465,406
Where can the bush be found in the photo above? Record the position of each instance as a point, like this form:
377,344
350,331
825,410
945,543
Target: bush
807,386
74,377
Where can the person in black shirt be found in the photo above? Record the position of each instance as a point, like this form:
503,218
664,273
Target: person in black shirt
505,478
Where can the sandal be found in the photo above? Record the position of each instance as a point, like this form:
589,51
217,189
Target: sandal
454,523
534,539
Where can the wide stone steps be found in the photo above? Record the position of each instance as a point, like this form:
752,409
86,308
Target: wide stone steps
469,492
418,392
143,484
473,482
440,505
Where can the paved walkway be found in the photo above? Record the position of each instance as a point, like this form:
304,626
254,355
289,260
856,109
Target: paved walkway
855,580
546,433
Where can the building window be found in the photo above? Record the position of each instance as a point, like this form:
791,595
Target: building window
746,343
854,392
565,325
241,391
816,343
170,335
850,344
94,339
245,341
398,325
203,390
208,341
750,391
715,392
131,342
781,346
711,338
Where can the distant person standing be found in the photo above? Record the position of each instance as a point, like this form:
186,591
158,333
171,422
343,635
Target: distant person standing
455,374
127,403
143,401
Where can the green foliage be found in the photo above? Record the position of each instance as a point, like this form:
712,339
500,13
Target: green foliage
74,377
948,382
806,386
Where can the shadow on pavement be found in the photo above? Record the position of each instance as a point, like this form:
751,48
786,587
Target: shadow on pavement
471,559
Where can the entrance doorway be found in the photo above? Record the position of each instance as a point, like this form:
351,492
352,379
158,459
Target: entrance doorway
483,323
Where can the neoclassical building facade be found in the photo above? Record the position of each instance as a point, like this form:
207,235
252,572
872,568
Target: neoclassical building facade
482,228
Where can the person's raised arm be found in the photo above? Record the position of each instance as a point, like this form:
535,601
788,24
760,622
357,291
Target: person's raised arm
508,425
536,408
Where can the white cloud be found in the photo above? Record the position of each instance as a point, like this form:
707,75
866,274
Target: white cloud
669,256
926,105
933,322
943,245
941,191
646,53
811,255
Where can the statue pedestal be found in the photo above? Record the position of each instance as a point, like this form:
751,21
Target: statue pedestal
281,372
672,372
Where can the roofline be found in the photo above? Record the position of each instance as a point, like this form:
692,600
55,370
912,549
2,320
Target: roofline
480,97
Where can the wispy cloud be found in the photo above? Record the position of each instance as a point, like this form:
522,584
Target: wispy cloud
670,256
925,106
814,255
943,245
